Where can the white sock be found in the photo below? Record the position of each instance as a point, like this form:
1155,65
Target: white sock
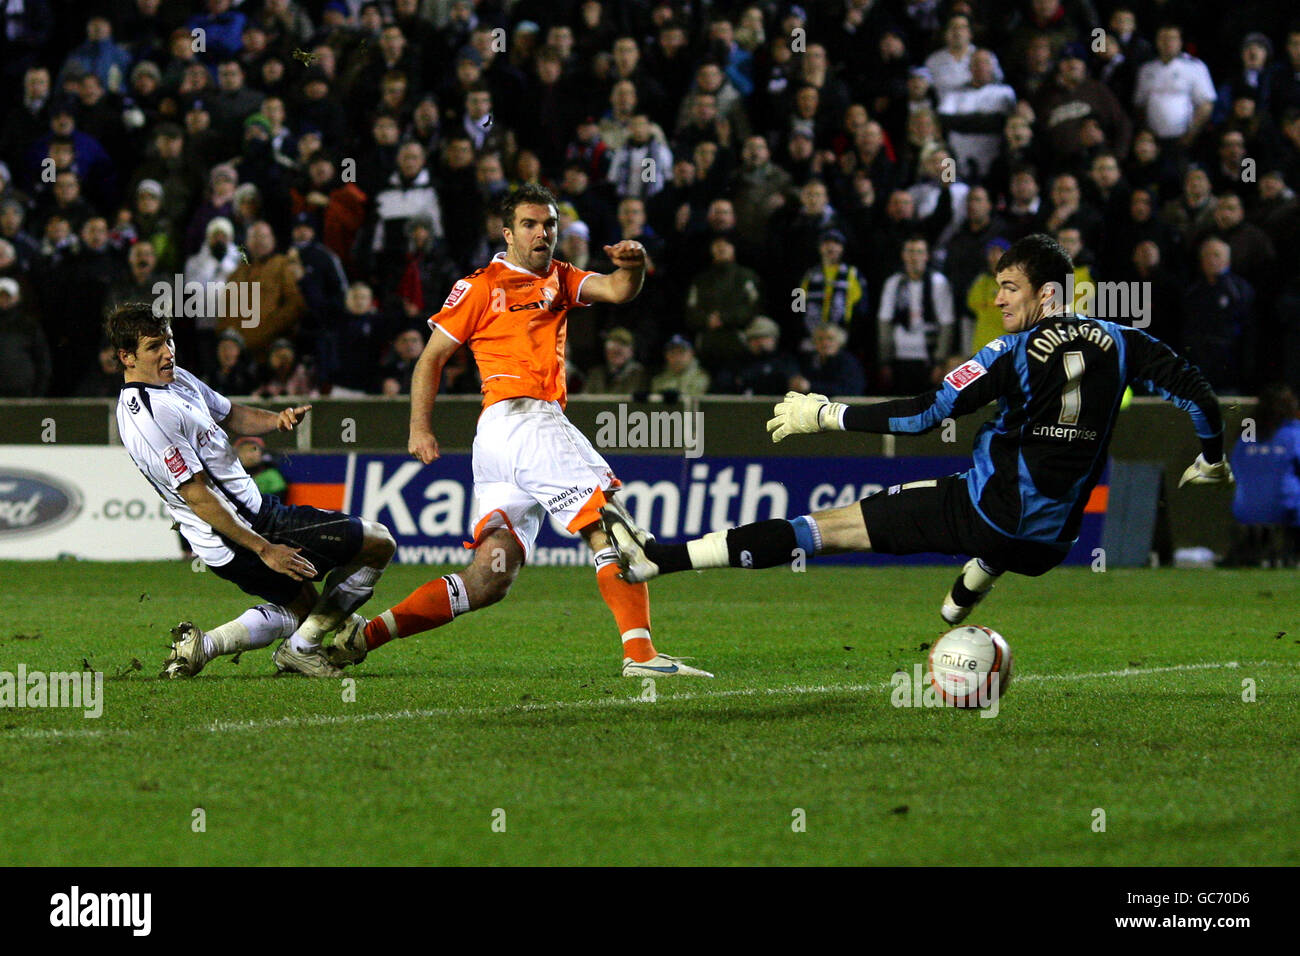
390,622
346,589
709,551
256,627
356,588
457,596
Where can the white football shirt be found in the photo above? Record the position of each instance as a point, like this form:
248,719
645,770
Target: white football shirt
909,340
947,73
981,148
1168,93
172,434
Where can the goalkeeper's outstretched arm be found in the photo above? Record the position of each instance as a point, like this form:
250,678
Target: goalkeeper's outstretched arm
968,388
1161,370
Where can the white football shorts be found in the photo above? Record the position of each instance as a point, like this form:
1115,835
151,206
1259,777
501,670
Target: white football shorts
529,462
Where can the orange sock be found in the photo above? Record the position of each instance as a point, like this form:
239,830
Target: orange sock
631,606
377,632
428,606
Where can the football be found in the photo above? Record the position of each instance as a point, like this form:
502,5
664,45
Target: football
970,666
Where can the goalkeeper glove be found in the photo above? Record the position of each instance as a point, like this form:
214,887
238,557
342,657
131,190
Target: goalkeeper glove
804,414
1201,472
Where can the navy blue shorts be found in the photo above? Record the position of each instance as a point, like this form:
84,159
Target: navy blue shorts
327,539
938,516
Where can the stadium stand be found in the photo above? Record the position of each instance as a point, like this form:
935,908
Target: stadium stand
320,147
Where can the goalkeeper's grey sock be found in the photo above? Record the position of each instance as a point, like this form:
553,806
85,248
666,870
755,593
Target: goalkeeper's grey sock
256,627
975,581
980,577
346,589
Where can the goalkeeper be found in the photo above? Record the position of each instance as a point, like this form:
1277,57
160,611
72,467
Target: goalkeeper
1058,379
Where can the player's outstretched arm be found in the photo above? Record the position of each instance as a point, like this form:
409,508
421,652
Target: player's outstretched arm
424,389
244,420
624,283
278,557
967,388
1171,376
799,414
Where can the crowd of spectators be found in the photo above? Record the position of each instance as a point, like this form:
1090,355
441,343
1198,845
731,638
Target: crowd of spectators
823,188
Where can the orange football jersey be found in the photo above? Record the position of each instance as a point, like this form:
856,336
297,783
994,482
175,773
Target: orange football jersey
514,322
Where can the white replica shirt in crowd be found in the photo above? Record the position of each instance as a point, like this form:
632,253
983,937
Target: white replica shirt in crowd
172,434
1168,93
909,340
978,148
948,73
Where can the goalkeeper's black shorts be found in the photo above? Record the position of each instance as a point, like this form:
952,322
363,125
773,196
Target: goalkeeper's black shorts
938,516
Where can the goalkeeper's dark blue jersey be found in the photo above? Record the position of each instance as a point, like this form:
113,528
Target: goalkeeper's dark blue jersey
1058,387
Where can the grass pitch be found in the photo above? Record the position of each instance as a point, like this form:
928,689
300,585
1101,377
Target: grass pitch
508,738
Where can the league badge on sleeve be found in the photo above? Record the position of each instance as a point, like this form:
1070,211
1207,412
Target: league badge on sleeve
174,461
964,374
457,291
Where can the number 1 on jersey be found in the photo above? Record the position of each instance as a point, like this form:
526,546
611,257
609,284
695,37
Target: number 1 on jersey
1071,397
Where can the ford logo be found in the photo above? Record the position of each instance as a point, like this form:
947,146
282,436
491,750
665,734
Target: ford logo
32,502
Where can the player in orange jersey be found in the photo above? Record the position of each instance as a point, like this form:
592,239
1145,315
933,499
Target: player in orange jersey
529,459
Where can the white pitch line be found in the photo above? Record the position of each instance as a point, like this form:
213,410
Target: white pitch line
325,720
1142,671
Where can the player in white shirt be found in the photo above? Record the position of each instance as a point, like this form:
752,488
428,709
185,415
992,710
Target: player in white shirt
172,425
